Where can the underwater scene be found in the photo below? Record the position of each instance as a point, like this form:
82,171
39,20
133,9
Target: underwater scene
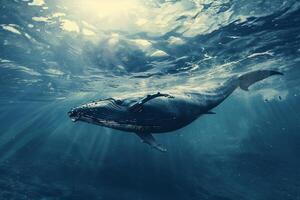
57,55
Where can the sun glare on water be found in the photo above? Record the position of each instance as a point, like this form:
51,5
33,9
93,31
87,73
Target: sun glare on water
104,8
106,15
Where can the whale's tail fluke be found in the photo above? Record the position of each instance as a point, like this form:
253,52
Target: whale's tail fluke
246,80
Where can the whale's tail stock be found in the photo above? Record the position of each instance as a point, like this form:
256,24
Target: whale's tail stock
247,79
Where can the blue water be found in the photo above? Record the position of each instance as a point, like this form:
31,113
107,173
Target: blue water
56,54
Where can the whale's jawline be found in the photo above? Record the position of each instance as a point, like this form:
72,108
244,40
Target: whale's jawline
74,119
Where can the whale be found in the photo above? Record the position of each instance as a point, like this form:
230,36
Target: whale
162,112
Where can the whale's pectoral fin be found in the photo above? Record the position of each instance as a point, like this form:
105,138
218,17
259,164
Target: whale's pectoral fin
210,112
149,139
138,106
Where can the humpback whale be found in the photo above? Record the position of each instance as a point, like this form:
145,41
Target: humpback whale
161,112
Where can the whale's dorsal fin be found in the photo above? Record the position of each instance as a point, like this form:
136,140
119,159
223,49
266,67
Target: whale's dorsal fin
137,107
149,139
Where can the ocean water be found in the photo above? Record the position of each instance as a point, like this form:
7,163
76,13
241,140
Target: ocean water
55,55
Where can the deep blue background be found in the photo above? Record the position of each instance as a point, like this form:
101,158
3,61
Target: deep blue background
249,150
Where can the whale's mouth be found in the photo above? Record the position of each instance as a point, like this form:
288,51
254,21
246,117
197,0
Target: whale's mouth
74,119
74,116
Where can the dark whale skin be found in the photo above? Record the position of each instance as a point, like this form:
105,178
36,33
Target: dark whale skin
161,113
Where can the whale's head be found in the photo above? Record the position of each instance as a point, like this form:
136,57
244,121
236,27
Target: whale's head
107,112
75,113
